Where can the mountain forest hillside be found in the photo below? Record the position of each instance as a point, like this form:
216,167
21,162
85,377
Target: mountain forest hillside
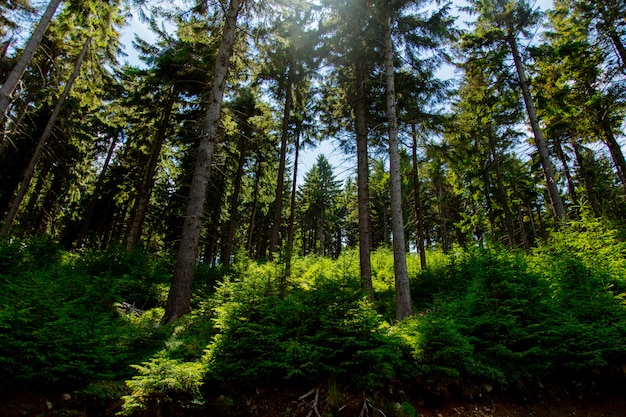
169,246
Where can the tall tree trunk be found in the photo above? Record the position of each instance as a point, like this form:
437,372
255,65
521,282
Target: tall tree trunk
404,306
227,245
179,297
292,208
417,201
41,145
255,204
504,200
571,188
584,173
5,140
96,194
147,181
540,142
278,199
614,148
365,235
14,77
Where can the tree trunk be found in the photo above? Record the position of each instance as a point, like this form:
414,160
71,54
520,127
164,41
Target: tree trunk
540,142
292,209
41,145
584,173
404,306
14,77
179,297
96,194
227,246
417,201
255,203
278,200
365,237
504,200
147,181
615,149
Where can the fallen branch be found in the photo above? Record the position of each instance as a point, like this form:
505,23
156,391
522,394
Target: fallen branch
313,403
365,409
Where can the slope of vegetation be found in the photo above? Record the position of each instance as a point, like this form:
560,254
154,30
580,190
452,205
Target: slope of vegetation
489,319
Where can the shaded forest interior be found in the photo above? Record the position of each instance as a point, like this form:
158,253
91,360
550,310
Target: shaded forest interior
162,254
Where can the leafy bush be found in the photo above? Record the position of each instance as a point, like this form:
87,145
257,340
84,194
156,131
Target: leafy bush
164,383
325,331
59,324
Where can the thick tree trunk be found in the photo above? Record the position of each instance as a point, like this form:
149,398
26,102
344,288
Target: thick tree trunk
147,181
14,77
278,199
404,306
417,201
179,297
540,142
365,236
41,145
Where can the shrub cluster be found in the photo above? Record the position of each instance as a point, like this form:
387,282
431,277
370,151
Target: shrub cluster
58,320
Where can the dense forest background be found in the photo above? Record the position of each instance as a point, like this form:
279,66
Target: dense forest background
153,215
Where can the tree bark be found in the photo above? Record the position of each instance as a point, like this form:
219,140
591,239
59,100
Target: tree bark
292,210
179,297
417,201
147,181
14,77
504,201
227,247
404,306
540,142
365,237
41,145
96,194
278,199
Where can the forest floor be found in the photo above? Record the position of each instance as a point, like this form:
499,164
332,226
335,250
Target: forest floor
277,404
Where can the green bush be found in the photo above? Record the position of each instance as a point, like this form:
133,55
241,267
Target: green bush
58,323
163,383
327,330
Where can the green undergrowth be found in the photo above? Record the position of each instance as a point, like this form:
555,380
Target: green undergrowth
482,316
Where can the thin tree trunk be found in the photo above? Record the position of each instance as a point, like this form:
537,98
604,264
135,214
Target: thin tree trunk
14,77
179,297
365,236
584,173
5,141
227,246
540,142
571,188
404,306
255,203
292,208
278,199
508,218
417,200
147,181
41,145
615,149
96,194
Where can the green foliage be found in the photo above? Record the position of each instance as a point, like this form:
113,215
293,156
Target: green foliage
162,383
59,322
324,330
